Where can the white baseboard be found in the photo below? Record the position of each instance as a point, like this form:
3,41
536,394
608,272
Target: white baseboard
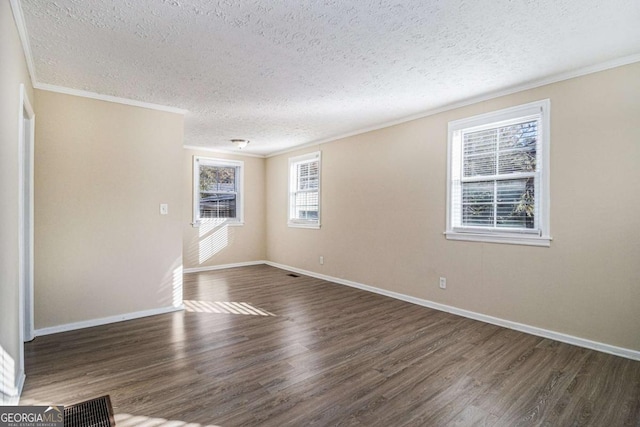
222,267
14,400
545,333
105,320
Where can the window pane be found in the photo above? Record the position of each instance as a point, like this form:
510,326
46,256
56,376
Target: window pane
226,179
477,215
479,153
308,183
519,135
518,148
216,190
516,203
477,203
217,178
498,176
477,192
302,214
511,149
306,205
217,205
304,193
308,176
303,170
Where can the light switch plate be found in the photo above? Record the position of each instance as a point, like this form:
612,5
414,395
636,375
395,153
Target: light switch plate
164,209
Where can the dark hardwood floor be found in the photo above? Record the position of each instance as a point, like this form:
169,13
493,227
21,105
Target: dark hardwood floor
257,347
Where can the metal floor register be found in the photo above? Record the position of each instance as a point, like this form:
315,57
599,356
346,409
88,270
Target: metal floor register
96,412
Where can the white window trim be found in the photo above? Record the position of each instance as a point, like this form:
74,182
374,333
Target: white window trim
197,160
301,223
540,237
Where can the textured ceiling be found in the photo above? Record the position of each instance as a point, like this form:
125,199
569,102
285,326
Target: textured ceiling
284,73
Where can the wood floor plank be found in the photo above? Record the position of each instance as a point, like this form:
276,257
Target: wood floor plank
257,347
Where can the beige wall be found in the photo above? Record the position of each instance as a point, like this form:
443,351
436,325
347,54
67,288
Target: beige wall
208,246
383,215
13,71
101,170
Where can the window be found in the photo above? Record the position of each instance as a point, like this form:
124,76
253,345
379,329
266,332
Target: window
217,190
304,191
498,176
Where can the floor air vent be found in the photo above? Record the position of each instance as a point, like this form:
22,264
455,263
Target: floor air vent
292,275
96,412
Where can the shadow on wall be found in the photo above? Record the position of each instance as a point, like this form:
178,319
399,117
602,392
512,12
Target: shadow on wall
7,376
213,236
172,285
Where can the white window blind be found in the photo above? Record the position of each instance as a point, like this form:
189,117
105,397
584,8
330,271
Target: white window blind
304,190
498,175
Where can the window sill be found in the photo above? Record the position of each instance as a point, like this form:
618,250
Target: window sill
509,239
301,225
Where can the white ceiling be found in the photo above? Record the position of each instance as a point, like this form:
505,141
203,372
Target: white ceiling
285,73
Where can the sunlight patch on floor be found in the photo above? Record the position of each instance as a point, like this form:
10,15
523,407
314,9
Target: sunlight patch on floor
224,307
128,420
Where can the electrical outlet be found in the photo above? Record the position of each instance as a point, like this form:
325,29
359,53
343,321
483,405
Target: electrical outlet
443,283
321,260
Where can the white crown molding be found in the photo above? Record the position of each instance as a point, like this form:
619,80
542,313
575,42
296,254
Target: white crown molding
108,98
320,142
18,17
105,320
603,66
533,330
222,151
222,266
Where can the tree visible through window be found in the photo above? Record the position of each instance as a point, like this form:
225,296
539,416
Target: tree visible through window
498,176
217,189
217,192
491,158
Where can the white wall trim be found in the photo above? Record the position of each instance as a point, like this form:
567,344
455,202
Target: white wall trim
26,139
108,98
19,386
223,266
539,235
545,333
603,66
105,320
235,152
18,17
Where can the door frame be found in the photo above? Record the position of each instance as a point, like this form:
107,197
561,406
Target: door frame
26,134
